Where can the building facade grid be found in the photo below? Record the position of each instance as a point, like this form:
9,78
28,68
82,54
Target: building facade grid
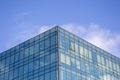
34,59
58,55
80,60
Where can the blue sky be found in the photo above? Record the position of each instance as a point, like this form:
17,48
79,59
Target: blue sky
22,19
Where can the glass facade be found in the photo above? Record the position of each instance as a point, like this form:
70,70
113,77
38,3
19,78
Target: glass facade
58,55
34,59
80,60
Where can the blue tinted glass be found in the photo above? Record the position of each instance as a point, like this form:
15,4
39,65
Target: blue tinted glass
41,45
31,66
47,59
53,57
47,43
36,49
47,76
41,61
53,40
53,75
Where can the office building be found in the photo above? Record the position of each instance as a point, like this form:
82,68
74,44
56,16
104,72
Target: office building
58,55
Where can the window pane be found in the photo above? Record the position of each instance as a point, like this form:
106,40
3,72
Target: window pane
81,51
103,60
21,71
36,48
72,46
62,58
73,63
47,59
86,53
47,76
53,57
76,47
53,40
30,66
63,75
41,61
36,64
77,64
90,54
53,75
41,45
98,59
31,50
25,68
26,52
67,60
62,43
47,43
67,44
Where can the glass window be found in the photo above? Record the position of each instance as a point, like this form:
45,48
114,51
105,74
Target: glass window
10,75
98,59
41,45
94,58
63,75
90,54
36,64
31,66
67,60
72,47
76,47
47,43
36,78
91,68
86,53
47,59
26,52
117,67
41,61
68,76
73,76
62,43
73,63
6,76
103,60
42,77
67,43
16,57
110,63
7,59
16,73
47,76
53,40
21,54
25,68
62,58
114,66
31,50
87,67
53,57
107,62
77,64
36,49
21,70
82,66
12,59
53,75
81,51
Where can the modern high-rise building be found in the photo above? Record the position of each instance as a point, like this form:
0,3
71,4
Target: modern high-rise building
58,55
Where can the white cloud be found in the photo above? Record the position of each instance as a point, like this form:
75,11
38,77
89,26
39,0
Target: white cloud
93,33
98,36
44,28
